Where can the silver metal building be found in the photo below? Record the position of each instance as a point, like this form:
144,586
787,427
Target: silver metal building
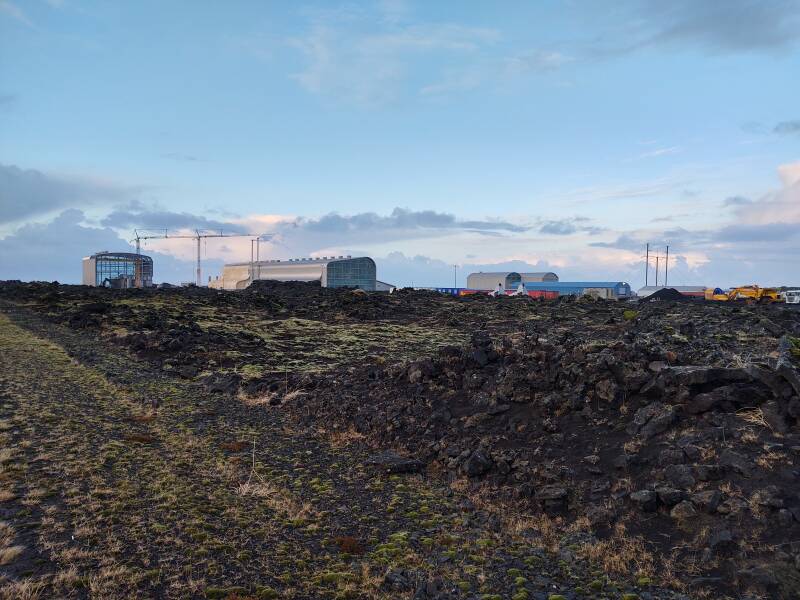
330,271
508,280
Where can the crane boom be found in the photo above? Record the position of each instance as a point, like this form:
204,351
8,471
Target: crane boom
198,235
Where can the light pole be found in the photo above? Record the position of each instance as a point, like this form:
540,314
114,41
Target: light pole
455,276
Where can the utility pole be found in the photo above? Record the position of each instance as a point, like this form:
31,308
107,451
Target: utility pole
666,268
455,276
656,270
647,264
199,275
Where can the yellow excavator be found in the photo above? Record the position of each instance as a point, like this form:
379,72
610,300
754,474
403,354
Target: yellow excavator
749,293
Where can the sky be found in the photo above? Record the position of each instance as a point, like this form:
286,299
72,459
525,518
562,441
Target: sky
438,138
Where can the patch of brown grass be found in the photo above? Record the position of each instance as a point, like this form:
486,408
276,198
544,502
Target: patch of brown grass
234,446
770,459
255,401
25,589
145,418
343,437
348,544
278,499
621,554
141,438
10,554
7,495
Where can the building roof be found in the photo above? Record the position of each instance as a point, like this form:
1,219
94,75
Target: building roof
131,255
293,262
574,284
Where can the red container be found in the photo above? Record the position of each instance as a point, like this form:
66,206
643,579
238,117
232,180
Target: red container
543,294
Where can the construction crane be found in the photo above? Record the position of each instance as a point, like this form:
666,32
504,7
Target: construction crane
199,234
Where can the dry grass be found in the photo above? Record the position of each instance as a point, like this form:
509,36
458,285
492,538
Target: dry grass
144,418
140,438
6,534
621,554
26,589
632,446
67,578
343,437
278,499
7,495
293,395
237,446
549,530
753,416
749,437
769,460
255,401
10,554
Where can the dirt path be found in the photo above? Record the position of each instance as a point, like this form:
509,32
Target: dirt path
104,496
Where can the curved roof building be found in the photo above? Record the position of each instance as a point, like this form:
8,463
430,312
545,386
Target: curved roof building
118,270
509,280
333,272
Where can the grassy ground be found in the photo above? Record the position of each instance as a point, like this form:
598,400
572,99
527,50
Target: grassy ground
104,496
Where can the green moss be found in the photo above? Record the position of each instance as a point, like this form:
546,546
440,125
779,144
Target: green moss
334,577
630,597
520,595
630,315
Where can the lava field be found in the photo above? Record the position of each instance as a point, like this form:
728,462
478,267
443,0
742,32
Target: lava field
290,441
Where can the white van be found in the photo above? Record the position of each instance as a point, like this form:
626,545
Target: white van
791,296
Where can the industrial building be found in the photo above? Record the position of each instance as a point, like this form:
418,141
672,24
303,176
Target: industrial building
601,289
330,271
118,270
507,280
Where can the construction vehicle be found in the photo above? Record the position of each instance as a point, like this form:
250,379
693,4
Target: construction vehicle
749,293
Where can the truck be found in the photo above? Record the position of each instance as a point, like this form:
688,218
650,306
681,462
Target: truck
791,296
750,293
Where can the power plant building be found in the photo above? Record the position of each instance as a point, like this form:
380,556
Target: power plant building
508,280
332,272
118,270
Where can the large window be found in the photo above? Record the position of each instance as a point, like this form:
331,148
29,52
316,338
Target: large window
123,270
354,272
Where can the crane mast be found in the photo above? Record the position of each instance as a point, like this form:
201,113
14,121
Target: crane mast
198,235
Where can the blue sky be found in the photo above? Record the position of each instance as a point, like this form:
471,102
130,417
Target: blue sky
557,134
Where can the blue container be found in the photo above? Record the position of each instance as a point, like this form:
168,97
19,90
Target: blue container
619,289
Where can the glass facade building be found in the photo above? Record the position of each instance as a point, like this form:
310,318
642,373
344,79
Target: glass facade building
353,272
332,272
118,270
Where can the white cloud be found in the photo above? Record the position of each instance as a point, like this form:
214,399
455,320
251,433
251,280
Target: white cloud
661,152
372,68
789,173
15,12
